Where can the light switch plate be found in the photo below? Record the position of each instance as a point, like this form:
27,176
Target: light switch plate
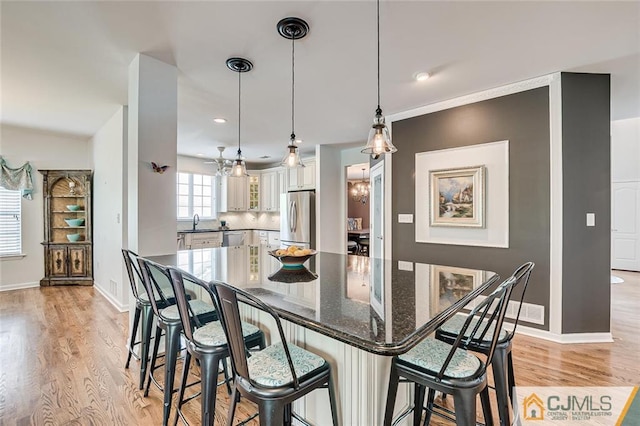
591,219
405,266
405,218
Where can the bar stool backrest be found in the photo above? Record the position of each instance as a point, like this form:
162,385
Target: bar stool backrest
226,299
190,321
133,270
484,322
522,274
157,282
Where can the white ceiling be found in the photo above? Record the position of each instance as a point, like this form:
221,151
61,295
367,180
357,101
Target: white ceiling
64,64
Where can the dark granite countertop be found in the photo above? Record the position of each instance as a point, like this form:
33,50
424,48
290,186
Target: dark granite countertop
404,307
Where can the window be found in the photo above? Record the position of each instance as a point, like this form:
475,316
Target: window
10,218
195,196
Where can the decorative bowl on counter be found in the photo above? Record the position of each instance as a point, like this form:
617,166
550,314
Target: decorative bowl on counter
73,207
74,222
291,260
73,237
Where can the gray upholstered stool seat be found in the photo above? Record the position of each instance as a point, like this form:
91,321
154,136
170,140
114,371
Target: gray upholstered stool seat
431,354
270,368
212,334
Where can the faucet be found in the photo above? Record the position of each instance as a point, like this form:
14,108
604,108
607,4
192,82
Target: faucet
196,220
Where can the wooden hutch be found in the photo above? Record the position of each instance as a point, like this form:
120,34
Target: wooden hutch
68,246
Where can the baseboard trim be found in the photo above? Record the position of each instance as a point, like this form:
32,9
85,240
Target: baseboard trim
569,338
111,299
19,286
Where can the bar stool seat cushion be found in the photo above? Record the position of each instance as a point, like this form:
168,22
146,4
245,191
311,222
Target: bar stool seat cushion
212,334
198,307
454,325
270,368
430,354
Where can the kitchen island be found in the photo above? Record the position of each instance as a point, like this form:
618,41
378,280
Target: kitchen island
354,311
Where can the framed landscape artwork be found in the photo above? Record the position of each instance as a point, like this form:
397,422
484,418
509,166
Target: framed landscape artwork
456,197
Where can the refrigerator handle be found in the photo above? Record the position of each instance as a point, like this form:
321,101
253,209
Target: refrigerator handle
293,216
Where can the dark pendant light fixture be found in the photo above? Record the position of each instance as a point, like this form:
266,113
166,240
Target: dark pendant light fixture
379,141
239,65
292,29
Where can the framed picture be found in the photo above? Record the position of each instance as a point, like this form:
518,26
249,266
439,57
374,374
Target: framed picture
456,197
449,284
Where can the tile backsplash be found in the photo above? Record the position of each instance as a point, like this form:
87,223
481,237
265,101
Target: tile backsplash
240,220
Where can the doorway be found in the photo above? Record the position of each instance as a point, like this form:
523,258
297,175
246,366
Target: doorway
358,209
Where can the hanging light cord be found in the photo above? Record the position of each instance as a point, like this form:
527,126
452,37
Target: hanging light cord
239,116
293,86
378,111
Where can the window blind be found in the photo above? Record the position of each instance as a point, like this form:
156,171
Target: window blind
10,218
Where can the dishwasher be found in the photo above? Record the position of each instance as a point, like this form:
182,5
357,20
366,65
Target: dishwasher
233,238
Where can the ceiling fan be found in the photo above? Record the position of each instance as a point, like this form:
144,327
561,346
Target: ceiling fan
223,164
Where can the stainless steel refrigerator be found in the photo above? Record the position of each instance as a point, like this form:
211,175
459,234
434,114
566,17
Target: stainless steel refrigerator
298,219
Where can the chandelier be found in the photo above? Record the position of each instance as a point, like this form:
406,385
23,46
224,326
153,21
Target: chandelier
360,190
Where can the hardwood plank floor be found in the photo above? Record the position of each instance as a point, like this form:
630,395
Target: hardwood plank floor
63,349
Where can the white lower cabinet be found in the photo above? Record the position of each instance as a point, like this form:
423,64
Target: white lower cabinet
202,240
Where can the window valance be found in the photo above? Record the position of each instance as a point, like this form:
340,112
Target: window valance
19,179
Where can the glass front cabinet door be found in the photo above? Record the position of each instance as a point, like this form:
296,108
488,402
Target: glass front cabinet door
68,244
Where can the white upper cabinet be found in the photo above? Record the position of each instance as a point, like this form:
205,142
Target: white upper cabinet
269,191
233,195
273,182
303,177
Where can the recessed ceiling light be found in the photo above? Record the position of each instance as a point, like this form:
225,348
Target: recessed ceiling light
298,140
220,120
422,76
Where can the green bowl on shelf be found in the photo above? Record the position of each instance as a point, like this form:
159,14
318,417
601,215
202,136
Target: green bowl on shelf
73,207
74,222
73,237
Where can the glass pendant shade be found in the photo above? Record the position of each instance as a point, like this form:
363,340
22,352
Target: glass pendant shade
239,167
379,141
292,157
239,65
292,29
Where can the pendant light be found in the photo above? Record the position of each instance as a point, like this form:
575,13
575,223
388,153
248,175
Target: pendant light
379,141
292,29
239,65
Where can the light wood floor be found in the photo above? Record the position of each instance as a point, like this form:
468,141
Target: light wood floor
62,355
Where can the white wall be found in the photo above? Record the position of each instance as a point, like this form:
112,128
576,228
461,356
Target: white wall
152,136
108,147
625,150
44,150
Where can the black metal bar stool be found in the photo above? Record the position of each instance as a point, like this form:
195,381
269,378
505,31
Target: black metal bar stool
168,321
208,344
274,377
502,362
450,368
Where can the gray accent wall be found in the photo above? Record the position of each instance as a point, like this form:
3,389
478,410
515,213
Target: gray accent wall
586,147
523,120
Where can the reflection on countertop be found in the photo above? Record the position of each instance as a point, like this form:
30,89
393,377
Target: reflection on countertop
339,302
